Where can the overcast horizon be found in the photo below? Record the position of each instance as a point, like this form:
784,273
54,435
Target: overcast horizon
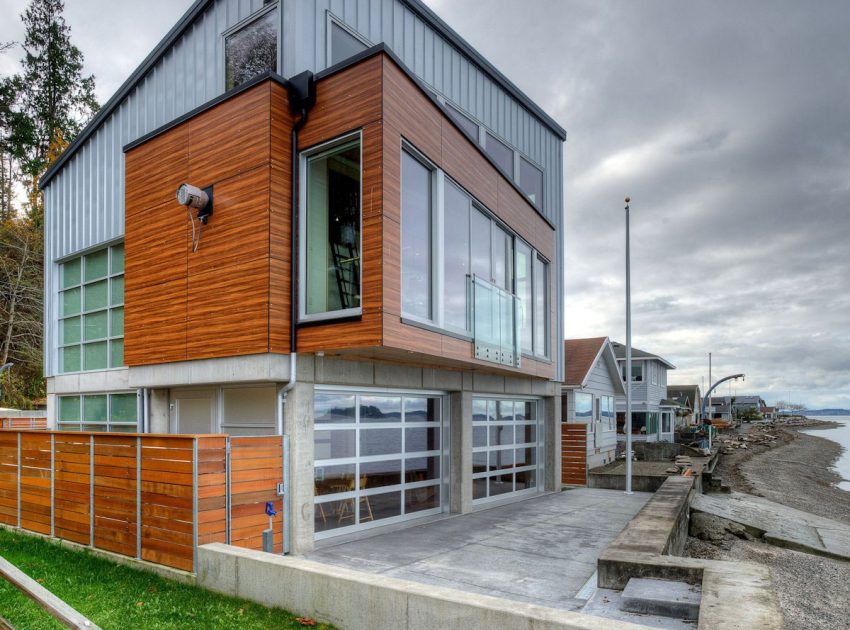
727,124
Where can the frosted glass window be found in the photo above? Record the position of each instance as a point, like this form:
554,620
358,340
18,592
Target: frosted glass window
94,356
117,291
123,408
96,295
69,409
96,265
94,408
96,325
71,330
116,347
71,302
98,412
71,273
117,259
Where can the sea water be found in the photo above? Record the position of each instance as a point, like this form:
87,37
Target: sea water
841,435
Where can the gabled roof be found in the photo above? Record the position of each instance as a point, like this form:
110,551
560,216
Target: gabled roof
581,355
620,353
684,393
200,5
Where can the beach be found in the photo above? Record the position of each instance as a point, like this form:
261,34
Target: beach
797,471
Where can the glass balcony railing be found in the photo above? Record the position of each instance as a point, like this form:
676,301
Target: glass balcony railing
495,324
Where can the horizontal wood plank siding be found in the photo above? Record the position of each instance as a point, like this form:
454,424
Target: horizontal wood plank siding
574,454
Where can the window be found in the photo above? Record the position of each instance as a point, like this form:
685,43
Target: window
501,153
91,303
637,372
249,410
464,122
251,50
99,412
330,243
584,406
524,293
343,43
456,247
608,412
416,245
531,181
653,371
541,307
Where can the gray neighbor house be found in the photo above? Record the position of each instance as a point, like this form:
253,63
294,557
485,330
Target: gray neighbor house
653,414
413,376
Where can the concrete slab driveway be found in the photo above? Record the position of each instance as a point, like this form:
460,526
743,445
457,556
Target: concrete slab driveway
541,550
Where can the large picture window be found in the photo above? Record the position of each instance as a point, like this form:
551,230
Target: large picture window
91,311
99,412
330,242
251,50
584,406
416,243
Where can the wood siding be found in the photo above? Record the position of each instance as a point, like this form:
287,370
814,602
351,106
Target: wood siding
232,296
573,454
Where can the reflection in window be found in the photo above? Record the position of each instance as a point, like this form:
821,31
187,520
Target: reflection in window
343,44
524,293
416,237
332,244
457,263
584,405
531,181
502,155
251,50
541,307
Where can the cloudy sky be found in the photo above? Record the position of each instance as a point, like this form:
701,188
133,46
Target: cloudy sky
728,123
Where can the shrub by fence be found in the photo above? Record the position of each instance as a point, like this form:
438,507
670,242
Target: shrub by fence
147,496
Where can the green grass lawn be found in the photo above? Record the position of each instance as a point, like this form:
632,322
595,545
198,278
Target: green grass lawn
117,596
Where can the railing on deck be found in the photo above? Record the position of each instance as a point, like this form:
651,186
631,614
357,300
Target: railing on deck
148,496
23,423
495,323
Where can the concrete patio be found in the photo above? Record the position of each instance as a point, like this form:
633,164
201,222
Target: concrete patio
542,550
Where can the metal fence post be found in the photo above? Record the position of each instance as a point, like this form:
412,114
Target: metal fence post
52,484
287,542
138,496
195,504
19,479
227,501
91,491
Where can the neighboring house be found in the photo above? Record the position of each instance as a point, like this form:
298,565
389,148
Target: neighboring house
737,405
419,281
768,413
720,409
653,417
592,382
690,402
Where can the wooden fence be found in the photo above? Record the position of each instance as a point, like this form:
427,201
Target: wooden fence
148,496
574,454
23,423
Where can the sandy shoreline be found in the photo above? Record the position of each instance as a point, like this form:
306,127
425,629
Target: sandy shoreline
795,471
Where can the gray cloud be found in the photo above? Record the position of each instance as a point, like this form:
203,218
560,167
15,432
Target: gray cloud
728,124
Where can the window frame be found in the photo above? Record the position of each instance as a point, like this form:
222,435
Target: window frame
331,19
437,267
109,339
304,156
635,364
108,424
586,397
246,21
518,167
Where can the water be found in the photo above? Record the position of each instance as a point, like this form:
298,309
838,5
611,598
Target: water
841,435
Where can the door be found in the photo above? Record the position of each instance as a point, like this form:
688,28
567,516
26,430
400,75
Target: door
193,411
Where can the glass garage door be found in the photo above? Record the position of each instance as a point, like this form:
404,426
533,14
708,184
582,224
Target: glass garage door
378,459
507,447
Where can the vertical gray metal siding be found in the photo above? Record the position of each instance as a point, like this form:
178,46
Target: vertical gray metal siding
85,201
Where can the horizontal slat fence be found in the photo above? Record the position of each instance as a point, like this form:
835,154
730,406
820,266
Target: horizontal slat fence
148,496
23,423
574,454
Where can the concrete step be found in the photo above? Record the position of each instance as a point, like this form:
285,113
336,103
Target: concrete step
661,597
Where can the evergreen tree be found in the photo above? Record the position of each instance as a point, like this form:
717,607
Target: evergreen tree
52,100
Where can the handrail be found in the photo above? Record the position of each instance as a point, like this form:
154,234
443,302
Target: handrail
44,598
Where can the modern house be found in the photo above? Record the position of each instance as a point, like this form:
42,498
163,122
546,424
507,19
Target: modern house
690,401
367,257
592,382
653,417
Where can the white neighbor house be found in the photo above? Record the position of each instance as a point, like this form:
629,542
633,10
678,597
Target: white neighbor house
591,385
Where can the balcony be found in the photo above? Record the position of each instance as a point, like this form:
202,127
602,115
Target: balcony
495,324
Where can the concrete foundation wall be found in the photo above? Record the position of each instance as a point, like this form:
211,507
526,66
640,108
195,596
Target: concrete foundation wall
352,600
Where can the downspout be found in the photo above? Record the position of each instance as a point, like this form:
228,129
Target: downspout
302,96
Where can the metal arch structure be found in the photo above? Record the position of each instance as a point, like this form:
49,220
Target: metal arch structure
707,396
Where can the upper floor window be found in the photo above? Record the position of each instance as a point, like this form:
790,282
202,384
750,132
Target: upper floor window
251,49
465,122
330,230
653,371
637,372
501,153
447,240
531,181
343,43
91,311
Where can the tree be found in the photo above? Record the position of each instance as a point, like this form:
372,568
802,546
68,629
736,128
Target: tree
51,100
21,308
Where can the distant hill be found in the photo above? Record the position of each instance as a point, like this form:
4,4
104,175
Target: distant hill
827,412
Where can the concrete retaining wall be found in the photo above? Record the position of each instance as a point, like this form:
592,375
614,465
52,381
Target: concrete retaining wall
353,600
